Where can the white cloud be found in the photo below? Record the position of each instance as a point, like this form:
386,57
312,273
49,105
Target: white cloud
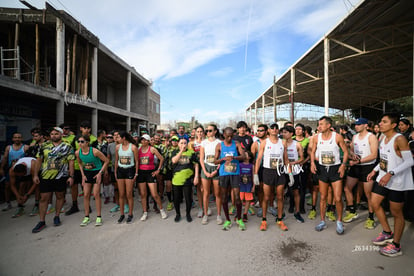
222,72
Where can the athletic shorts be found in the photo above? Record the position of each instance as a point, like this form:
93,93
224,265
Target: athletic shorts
209,169
360,171
145,176
246,196
125,173
90,176
394,196
328,174
272,178
77,179
168,175
260,173
232,181
52,185
296,185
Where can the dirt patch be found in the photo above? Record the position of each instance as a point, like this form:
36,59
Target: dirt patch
295,251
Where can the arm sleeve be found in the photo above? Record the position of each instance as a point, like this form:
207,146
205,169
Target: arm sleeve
408,162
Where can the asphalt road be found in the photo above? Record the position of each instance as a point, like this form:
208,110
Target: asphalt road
163,247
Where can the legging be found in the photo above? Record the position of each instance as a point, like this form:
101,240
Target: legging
178,197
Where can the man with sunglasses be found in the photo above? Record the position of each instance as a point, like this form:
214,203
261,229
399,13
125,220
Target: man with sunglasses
55,160
274,155
261,137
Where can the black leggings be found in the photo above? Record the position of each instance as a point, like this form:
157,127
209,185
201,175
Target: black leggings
178,197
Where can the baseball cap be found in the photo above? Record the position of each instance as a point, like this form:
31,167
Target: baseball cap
146,137
134,134
175,137
361,121
58,129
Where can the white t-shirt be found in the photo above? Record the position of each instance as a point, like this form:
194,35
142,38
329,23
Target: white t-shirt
209,151
27,161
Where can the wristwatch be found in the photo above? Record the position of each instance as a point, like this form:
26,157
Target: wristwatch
391,173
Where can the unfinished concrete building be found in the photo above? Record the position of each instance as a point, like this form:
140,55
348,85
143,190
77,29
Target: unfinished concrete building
54,70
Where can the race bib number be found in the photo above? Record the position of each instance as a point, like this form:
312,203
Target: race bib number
230,167
210,158
184,160
53,165
144,160
89,166
383,164
125,160
274,163
328,158
246,179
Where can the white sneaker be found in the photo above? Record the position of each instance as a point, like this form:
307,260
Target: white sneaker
204,220
208,212
163,214
200,213
144,216
219,220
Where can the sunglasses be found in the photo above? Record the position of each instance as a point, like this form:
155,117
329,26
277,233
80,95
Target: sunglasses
273,127
260,130
210,130
81,141
109,137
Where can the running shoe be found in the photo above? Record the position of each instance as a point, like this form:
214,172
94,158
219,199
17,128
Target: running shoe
19,212
391,250
251,211
129,219
227,225
350,216
115,209
85,221
369,224
320,226
312,214
281,225
144,216
309,201
263,226
177,218
331,216
56,221
81,194
34,212
208,212
204,220
7,207
339,227
200,213
299,217
273,211
50,210
260,213
106,200
189,218
121,218
232,210
170,206
72,210
39,227
98,221
126,208
383,238
245,219
163,214
241,224
257,204
219,220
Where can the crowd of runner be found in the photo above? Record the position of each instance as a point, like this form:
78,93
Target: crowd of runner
370,162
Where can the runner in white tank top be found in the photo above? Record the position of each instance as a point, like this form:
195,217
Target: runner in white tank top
330,170
394,178
363,155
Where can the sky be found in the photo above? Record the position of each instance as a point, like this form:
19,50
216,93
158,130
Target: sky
207,58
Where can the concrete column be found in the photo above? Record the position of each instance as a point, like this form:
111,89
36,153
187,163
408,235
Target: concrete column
94,121
128,123
60,111
250,115
128,92
326,73
95,74
60,55
292,94
263,108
